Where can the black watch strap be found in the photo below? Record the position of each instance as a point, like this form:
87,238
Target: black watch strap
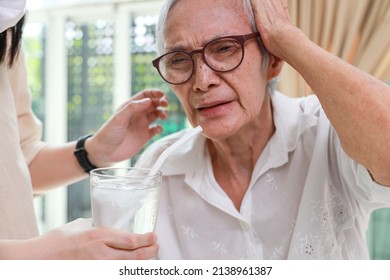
82,155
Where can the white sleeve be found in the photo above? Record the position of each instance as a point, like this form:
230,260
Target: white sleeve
357,181
30,128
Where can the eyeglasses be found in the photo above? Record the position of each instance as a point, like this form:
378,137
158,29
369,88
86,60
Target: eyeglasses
221,55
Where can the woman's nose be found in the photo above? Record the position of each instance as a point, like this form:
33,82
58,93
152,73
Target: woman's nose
203,77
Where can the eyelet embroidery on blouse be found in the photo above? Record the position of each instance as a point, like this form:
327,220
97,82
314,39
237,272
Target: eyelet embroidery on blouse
309,250
339,212
277,254
219,248
330,214
270,179
170,210
190,232
334,215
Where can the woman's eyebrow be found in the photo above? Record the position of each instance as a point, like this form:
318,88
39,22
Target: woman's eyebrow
181,47
175,49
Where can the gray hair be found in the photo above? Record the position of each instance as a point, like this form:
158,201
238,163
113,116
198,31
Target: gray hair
161,25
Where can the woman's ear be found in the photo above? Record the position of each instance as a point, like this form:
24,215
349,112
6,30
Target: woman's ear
274,67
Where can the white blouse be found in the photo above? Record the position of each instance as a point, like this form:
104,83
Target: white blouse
306,200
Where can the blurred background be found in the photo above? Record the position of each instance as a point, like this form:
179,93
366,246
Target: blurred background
86,57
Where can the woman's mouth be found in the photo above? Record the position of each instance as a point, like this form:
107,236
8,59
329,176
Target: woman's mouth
215,109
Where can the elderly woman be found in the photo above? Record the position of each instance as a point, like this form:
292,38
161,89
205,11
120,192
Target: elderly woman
271,177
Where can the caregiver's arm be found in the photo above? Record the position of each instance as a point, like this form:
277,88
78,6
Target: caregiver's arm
118,139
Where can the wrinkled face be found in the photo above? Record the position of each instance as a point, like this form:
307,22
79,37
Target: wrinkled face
222,103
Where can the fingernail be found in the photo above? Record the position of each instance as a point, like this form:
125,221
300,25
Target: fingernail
144,100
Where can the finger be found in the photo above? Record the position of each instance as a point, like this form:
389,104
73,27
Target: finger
143,253
79,224
158,97
135,104
158,105
285,3
113,253
160,102
162,114
131,107
282,7
140,104
159,113
127,241
163,102
154,130
154,94
279,4
260,8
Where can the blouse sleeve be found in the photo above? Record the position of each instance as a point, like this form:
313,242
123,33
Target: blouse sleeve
30,128
357,181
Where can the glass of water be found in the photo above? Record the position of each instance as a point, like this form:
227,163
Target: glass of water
125,198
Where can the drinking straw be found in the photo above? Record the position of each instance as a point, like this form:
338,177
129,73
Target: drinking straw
156,167
164,155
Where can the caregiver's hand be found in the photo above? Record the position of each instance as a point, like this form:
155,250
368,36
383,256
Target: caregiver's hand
78,240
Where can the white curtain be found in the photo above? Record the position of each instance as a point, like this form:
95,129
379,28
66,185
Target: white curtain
358,31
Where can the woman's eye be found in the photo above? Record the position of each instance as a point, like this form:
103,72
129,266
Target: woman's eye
224,47
178,60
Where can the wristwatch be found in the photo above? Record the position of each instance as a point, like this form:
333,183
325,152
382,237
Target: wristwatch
82,155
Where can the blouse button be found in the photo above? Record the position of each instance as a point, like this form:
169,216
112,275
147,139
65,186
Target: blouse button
244,225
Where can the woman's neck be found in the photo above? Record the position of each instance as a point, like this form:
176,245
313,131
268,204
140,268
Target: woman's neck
233,159
245,146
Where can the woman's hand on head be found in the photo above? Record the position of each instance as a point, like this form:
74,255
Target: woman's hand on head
272,20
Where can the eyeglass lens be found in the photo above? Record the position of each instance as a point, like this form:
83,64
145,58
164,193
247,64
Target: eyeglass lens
221,55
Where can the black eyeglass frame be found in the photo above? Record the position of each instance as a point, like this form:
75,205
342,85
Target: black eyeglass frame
241,39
